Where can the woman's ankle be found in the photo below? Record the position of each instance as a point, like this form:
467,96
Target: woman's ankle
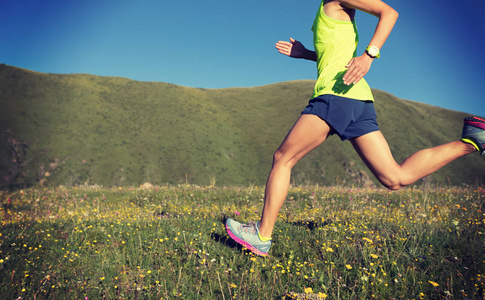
263,232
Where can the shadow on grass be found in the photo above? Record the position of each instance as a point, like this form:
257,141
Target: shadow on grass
311,224
228,242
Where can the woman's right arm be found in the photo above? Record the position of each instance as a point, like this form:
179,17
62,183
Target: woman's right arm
295,49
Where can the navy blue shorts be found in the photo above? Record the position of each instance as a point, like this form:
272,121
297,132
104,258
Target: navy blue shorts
349,118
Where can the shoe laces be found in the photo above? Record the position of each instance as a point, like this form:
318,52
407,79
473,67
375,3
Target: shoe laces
249,228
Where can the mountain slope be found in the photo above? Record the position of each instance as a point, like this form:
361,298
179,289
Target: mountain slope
78,129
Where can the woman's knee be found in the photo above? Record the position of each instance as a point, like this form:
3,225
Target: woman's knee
278,156
391,182
394,186
281,158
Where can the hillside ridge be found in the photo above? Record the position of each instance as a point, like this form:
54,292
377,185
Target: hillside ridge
74,129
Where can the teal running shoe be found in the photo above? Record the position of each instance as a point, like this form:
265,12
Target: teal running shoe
248,236
474,133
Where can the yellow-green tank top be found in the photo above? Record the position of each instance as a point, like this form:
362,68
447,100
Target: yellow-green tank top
335,43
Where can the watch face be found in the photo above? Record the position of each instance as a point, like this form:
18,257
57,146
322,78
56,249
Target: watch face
373,51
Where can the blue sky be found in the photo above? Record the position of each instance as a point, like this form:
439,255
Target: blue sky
434,54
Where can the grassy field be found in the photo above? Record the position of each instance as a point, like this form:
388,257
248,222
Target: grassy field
168,242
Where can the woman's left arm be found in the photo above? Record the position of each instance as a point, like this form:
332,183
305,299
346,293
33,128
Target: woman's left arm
359,66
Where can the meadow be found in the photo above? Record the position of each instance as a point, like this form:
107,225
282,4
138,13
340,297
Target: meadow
169,242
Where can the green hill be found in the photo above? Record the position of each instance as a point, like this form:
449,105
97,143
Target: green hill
84,129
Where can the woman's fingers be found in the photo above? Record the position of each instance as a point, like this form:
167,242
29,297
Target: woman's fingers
356,69
284,47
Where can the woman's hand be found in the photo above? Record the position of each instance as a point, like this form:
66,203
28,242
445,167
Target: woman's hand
357,68
295,49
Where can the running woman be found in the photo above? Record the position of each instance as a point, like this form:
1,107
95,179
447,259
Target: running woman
343,104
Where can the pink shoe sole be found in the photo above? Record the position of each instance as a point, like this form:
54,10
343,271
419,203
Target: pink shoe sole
243,243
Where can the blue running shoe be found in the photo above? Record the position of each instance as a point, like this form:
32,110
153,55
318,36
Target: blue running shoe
474,133
248,236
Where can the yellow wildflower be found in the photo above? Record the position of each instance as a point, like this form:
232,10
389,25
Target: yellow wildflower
433,283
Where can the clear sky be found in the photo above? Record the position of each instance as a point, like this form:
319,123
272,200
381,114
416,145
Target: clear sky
434,55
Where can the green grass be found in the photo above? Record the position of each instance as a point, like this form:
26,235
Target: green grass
170,242
80,129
